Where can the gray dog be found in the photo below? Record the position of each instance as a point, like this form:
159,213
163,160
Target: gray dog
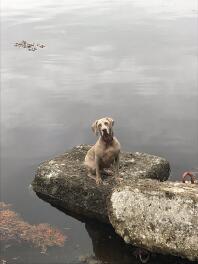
106,150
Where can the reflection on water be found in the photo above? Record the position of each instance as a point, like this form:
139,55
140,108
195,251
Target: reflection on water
133,60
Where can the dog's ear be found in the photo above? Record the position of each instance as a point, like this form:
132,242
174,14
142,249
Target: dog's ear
95,128
110,120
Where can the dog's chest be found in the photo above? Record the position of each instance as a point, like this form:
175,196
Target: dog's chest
109,155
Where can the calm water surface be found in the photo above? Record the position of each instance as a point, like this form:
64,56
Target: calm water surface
133,60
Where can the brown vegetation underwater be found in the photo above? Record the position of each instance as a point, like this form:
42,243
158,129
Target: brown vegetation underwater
14,229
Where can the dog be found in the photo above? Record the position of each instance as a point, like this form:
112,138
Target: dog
105,152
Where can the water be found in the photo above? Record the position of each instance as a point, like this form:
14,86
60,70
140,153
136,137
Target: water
133,60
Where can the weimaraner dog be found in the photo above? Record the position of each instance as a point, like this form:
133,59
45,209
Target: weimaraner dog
105,152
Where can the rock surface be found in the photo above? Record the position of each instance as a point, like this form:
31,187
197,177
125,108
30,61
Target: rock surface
64,182
160,217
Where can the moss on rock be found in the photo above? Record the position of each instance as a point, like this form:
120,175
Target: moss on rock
64,181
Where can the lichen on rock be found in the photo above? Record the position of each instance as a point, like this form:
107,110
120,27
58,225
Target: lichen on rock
161,217
65,182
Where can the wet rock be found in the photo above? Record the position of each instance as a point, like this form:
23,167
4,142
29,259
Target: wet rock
64,181
160,217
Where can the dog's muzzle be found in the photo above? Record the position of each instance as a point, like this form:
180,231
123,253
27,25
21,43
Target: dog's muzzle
105,132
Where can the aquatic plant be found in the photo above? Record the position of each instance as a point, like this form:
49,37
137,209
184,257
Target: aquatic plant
14,228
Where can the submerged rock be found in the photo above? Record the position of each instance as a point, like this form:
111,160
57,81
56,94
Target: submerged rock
64,181
160,217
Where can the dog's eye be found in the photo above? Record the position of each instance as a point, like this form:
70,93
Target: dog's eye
106,123
99,125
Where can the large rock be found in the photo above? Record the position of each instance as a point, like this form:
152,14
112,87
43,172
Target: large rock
160,217
64,182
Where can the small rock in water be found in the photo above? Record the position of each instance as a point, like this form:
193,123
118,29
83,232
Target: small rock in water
30,46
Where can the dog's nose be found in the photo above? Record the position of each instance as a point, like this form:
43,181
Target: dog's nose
104,130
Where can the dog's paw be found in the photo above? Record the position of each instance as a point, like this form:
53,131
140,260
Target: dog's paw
98,181
91,176
118,179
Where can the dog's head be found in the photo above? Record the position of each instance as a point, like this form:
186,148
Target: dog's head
103,126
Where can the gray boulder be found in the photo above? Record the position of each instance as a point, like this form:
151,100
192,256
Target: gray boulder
64,181
160,217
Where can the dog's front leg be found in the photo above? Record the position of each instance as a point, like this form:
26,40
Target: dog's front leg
117,162
117,165
98,175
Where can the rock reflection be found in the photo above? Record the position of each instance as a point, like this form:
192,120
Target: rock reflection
110,248
107,245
